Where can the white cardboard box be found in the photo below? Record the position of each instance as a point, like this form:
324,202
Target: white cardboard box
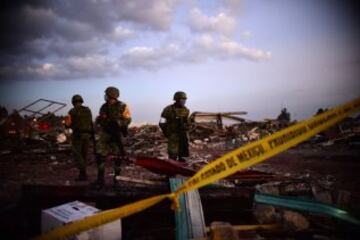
60,215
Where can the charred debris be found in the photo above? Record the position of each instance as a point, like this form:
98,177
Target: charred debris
37,172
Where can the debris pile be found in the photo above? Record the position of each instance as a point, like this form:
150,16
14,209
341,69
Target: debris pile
146,140
299,205
27,135
41,123
32,151
345,133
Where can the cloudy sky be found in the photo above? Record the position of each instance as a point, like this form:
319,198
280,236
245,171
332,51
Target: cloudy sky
228,55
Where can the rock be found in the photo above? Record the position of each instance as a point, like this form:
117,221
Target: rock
265,214
61,138
269,188
294,221
321,194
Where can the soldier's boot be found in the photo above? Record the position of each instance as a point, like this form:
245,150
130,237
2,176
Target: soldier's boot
82,175
100,181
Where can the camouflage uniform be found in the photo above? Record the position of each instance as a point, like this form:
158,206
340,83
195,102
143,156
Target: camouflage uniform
114,120
176,129
79,119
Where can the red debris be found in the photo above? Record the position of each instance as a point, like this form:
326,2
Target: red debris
164,166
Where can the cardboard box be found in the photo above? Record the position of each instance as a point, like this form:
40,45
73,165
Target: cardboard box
60,215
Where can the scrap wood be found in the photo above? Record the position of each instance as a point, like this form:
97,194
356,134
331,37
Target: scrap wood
307,205
138,180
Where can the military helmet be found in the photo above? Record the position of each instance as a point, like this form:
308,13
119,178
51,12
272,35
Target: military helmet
77,98
180,95
112,92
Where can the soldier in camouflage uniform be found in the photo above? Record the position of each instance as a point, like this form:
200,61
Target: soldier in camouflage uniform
79,119
174,124
114,118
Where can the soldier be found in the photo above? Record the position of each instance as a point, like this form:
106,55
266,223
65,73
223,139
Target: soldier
114,119
79,119
174,123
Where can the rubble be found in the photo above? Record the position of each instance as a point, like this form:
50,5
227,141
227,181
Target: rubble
196,117
42,127
265,214
295,221
311,203
321,194
44,157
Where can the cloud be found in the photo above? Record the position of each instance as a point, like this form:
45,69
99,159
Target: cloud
120,34
93,39
36,33
155,14
206,46
94,65
221,23
231,48
232,6
200,49
57,47
151,58
246,34
73,67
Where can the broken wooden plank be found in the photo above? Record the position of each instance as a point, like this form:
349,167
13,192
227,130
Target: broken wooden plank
138,180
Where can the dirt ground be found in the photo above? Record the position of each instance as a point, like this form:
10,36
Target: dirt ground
338,166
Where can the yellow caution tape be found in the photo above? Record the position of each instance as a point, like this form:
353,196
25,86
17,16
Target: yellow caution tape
222,167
